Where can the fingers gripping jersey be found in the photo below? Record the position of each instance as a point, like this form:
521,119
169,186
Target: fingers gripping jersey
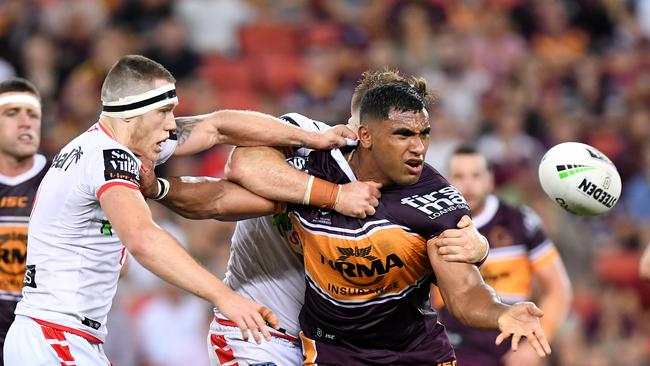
368,279
73,255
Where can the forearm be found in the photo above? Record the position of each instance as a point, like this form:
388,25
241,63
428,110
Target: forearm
161,254
555,305
264,171
209,198
478,307
466,296
248,128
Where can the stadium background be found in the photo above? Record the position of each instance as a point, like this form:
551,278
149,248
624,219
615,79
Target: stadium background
513,76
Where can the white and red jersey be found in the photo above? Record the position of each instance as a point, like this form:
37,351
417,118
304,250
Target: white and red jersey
73,255
266,262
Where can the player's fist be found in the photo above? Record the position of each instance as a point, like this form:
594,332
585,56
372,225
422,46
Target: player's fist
358,199
336,136
522,320
148,184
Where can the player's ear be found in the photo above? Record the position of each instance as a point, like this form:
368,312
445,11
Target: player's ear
365,138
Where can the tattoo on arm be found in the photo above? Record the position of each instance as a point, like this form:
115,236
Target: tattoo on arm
184,128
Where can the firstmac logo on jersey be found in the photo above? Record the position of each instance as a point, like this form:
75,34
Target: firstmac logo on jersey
119,164
437,203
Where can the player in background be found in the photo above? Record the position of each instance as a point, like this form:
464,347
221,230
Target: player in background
266,263
89,203
644,265
521,259
21,171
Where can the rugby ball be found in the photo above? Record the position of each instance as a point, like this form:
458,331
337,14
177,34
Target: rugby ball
581,179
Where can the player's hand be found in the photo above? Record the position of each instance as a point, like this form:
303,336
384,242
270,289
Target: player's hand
358,199
248,315
464,244
336,136
522,320
524,356
148,183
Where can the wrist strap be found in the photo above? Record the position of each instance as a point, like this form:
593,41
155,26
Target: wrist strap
321,193
163,188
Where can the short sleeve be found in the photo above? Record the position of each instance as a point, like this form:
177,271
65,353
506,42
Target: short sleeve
168,148
110,167
541,250
306,124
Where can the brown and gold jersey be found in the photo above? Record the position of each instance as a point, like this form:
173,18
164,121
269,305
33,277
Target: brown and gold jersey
368,279
16,200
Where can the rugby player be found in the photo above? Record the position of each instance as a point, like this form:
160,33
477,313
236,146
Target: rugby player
21,171
89,203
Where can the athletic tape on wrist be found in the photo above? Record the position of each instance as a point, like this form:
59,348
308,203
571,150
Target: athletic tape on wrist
163,188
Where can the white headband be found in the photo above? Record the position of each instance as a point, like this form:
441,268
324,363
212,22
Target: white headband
22,98
136,105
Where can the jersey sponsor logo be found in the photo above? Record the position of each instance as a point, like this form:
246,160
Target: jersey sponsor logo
437,203
91,323
63,160
297,162
118,164
362,274
13,254
596,193
106,228
282,223
13,201
30,276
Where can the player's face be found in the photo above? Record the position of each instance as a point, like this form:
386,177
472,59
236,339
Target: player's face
469,173
151,130
399,145
20,128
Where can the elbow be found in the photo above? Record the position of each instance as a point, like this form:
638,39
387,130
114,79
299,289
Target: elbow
235,171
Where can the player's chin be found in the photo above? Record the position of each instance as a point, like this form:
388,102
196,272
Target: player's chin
408,178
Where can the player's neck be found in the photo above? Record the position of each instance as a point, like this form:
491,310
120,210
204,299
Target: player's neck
364,167
116,130
10,166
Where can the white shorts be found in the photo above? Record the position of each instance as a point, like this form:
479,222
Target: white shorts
227,347
30,344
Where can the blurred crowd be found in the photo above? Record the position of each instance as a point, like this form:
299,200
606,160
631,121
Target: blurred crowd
512,76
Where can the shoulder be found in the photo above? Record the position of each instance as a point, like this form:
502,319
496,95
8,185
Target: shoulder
304,122
429,206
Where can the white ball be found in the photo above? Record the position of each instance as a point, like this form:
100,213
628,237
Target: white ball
581,179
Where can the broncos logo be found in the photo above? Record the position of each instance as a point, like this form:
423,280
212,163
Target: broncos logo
355,252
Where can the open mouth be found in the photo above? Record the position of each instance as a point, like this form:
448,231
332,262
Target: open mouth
414,165
25,137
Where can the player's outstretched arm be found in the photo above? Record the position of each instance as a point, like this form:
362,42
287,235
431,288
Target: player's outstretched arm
248,128
263,170
464,244
160,253
475,304
204,197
